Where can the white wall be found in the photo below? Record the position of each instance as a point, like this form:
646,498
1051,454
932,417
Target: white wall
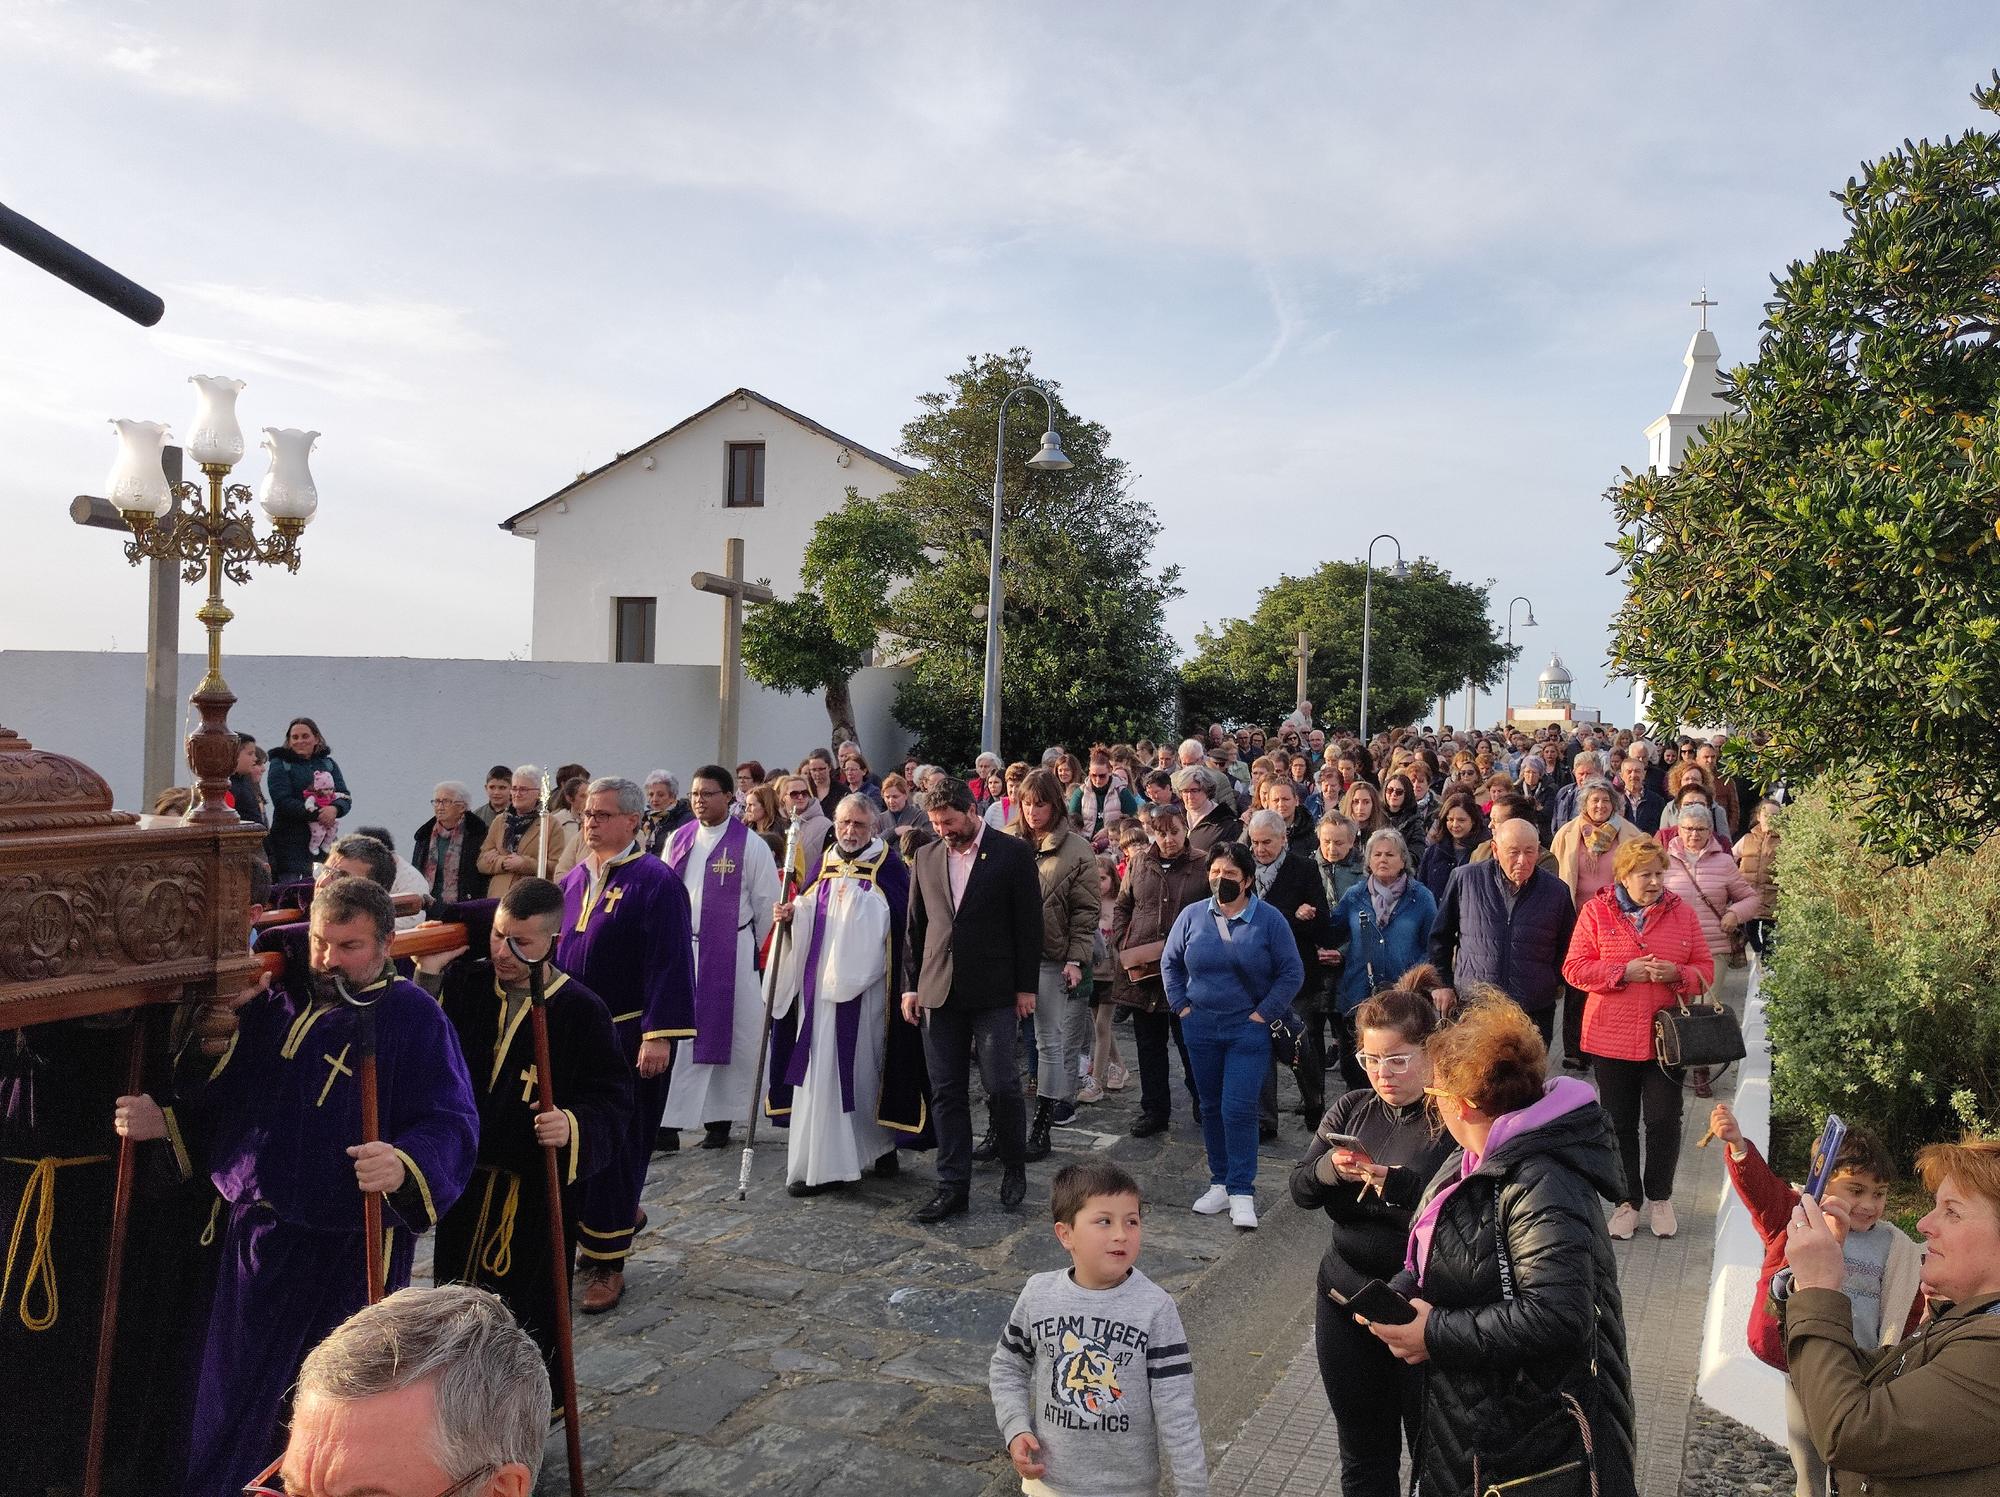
631,532
1729,1377
399,725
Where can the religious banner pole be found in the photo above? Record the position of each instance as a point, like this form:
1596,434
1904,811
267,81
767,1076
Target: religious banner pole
558,1247
371,1132
542,852
114,1273
771,962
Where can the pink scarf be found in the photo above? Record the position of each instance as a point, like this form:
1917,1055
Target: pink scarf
1560,1097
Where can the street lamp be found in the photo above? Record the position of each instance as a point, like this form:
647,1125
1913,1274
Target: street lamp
1507,707
213,540
1048,459
1367,617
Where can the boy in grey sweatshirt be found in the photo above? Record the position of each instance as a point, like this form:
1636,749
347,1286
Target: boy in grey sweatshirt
1091,1378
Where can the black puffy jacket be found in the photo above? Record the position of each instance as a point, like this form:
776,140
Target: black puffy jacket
1500,1362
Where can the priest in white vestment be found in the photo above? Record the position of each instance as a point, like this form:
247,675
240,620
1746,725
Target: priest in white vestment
732,884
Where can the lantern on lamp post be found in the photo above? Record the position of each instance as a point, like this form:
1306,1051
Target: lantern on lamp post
213,536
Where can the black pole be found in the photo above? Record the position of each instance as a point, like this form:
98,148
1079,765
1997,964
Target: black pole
66,262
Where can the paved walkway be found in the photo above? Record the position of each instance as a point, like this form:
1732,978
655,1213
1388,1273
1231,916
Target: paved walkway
1288,1447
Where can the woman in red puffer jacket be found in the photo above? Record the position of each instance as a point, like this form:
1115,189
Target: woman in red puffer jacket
1637,949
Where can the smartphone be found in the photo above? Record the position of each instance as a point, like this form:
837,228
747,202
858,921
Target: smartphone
1375,1300
1824,1154
1343,1141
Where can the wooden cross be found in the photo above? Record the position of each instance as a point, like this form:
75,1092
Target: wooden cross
528,1079
335,1070
1704,303
734,592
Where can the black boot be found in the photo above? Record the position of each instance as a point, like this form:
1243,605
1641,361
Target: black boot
988,1148
1013,1186
950,1200
888,1166
1148,1125
666,1140
1038,1135
715,1136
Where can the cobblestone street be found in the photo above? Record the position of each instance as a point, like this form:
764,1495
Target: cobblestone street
831,1345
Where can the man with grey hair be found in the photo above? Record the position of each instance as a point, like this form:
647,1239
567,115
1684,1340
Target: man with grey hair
429,1392
626,935
666,812
1587,766
445,849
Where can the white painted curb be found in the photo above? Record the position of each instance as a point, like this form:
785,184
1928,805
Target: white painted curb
1729,1378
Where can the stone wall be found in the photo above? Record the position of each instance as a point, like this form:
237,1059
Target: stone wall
398,725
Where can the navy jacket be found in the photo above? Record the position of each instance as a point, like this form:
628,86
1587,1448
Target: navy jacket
290,841
1518,946
1375,955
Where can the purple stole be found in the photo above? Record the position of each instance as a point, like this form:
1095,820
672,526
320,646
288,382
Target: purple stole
715,941
847,1020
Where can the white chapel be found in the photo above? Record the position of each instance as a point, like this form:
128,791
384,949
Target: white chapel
615,548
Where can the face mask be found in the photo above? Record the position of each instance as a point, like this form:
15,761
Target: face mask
1228,890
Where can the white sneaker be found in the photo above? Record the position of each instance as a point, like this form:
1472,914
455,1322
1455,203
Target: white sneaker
1624,1222
1214,1201
1662,1218
1243,1212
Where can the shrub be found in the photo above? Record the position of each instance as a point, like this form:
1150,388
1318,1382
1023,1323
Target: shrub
1881,991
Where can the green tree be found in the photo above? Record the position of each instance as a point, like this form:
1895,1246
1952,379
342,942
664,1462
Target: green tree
1431,635
1821,571
819,637
1087,654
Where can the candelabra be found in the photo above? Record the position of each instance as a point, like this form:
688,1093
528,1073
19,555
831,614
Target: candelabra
213,536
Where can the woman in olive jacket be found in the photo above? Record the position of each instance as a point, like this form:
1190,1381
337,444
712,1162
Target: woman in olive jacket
1070,906
1520,1328
1161,881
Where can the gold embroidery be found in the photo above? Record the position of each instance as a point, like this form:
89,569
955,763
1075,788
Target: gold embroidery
528,1084
336,1068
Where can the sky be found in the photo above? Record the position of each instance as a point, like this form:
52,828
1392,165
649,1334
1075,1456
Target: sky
1323,269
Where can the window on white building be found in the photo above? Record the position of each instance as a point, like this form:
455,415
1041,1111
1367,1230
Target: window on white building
632,621
746,475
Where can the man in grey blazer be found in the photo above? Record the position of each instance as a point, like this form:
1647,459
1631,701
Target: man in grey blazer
974,955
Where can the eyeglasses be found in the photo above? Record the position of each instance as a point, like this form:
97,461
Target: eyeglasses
258,1484
798,795
706,794
606,815
1388,1065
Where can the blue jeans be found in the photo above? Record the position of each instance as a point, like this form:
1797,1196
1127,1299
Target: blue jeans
1231,1058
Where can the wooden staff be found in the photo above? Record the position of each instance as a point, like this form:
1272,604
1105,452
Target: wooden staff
114,1273
404,904
558,1246
371,1132
779,944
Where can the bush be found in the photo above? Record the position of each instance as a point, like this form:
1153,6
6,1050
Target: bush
1881,988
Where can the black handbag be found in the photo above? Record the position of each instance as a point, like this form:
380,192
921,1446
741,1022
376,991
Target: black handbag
1697,1033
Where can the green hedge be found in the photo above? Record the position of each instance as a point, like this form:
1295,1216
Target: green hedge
1883,994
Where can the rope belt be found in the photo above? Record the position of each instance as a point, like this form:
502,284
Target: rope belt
494,1252
39,1195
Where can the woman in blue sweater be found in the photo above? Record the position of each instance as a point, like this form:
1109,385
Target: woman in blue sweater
1383,925
1230,968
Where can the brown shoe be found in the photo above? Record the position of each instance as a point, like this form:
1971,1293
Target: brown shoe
601,1292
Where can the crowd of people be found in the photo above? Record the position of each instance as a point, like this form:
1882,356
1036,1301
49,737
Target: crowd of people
1439,935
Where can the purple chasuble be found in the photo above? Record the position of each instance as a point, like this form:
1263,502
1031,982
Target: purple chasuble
847,1019
716,947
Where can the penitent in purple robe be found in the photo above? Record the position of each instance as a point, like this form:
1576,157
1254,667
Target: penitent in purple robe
630,941
281,1108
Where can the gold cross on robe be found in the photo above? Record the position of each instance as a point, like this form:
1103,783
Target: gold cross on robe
723,865
335,1070
528,1079
612,897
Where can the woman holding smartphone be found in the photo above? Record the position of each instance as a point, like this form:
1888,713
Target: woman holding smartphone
1371,1157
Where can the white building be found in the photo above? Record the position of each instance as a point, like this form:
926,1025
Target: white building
1555,700
1697,402
615,548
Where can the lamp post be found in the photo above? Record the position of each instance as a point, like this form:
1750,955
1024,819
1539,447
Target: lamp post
1048,459
212,538
1507,707
1368,617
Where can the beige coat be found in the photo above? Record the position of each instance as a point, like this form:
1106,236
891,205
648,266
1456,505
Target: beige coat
490,853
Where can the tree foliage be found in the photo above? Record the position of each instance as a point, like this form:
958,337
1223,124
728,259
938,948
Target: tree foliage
1087,654
819,637
1822,569
1879,989
1430,636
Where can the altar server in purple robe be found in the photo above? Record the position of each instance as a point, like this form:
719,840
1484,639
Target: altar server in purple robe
497,1236
281,1110
732,885
846,1091
626,937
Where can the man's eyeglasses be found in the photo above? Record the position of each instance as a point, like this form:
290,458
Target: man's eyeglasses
606,815
268,1483
1389,1065
705,794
